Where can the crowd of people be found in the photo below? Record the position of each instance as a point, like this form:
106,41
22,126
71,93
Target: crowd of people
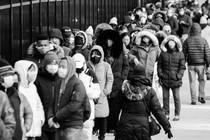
74,85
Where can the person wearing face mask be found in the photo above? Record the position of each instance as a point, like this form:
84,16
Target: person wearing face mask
48,84
90,81
68,37
167,29
171,67
38,49
81,44
28,72
172,21
56,40
142,20
7,72
105,77
185,23
145,52
71,106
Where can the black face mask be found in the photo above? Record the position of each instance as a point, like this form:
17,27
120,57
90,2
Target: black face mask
95,59
79,70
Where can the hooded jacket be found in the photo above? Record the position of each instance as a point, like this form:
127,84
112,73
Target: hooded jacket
120,66
83,50
133,123
47,86
171,64
29,90
105,77
90,81
7,119
68,108
146,58
196,48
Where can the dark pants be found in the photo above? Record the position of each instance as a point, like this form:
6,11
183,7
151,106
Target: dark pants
101,125
48,135
114,111
166,99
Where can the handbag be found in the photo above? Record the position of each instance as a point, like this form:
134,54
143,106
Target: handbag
154,126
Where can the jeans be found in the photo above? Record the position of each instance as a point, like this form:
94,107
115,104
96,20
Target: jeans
166,99
192,71
70,134
48,135
101,125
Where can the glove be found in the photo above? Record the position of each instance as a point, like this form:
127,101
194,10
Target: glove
170,135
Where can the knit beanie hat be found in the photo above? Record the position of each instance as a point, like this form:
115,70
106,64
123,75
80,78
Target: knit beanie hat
139,76
127,19
89,31
42,37
50,57
66,31
5,68
55,32
113,21
79,60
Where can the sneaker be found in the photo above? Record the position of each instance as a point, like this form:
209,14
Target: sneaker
201,100
176,118
193,103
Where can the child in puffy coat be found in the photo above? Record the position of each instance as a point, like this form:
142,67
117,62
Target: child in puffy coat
171,67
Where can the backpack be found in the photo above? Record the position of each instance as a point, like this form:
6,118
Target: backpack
87,109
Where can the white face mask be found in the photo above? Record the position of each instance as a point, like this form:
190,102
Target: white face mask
8,81
62,72
32,76
52,68
171,44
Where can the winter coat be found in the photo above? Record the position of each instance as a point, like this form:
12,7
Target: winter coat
68,108
171,64
29,90
146,58
105,77
173,22
93,90
26,115
47,86
188,23
7,119
133,124
196,48
15,102
115,56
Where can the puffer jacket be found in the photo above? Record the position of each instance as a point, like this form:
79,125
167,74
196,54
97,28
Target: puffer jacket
196,48
7,118
171,64
146,58
105,77
133,124
47,86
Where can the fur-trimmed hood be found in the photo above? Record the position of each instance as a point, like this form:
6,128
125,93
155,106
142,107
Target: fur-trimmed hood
175,39
148,34
117,46
159,12
102,27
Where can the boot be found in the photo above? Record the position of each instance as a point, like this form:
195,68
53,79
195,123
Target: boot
201,100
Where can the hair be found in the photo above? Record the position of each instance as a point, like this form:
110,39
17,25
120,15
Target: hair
125,34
